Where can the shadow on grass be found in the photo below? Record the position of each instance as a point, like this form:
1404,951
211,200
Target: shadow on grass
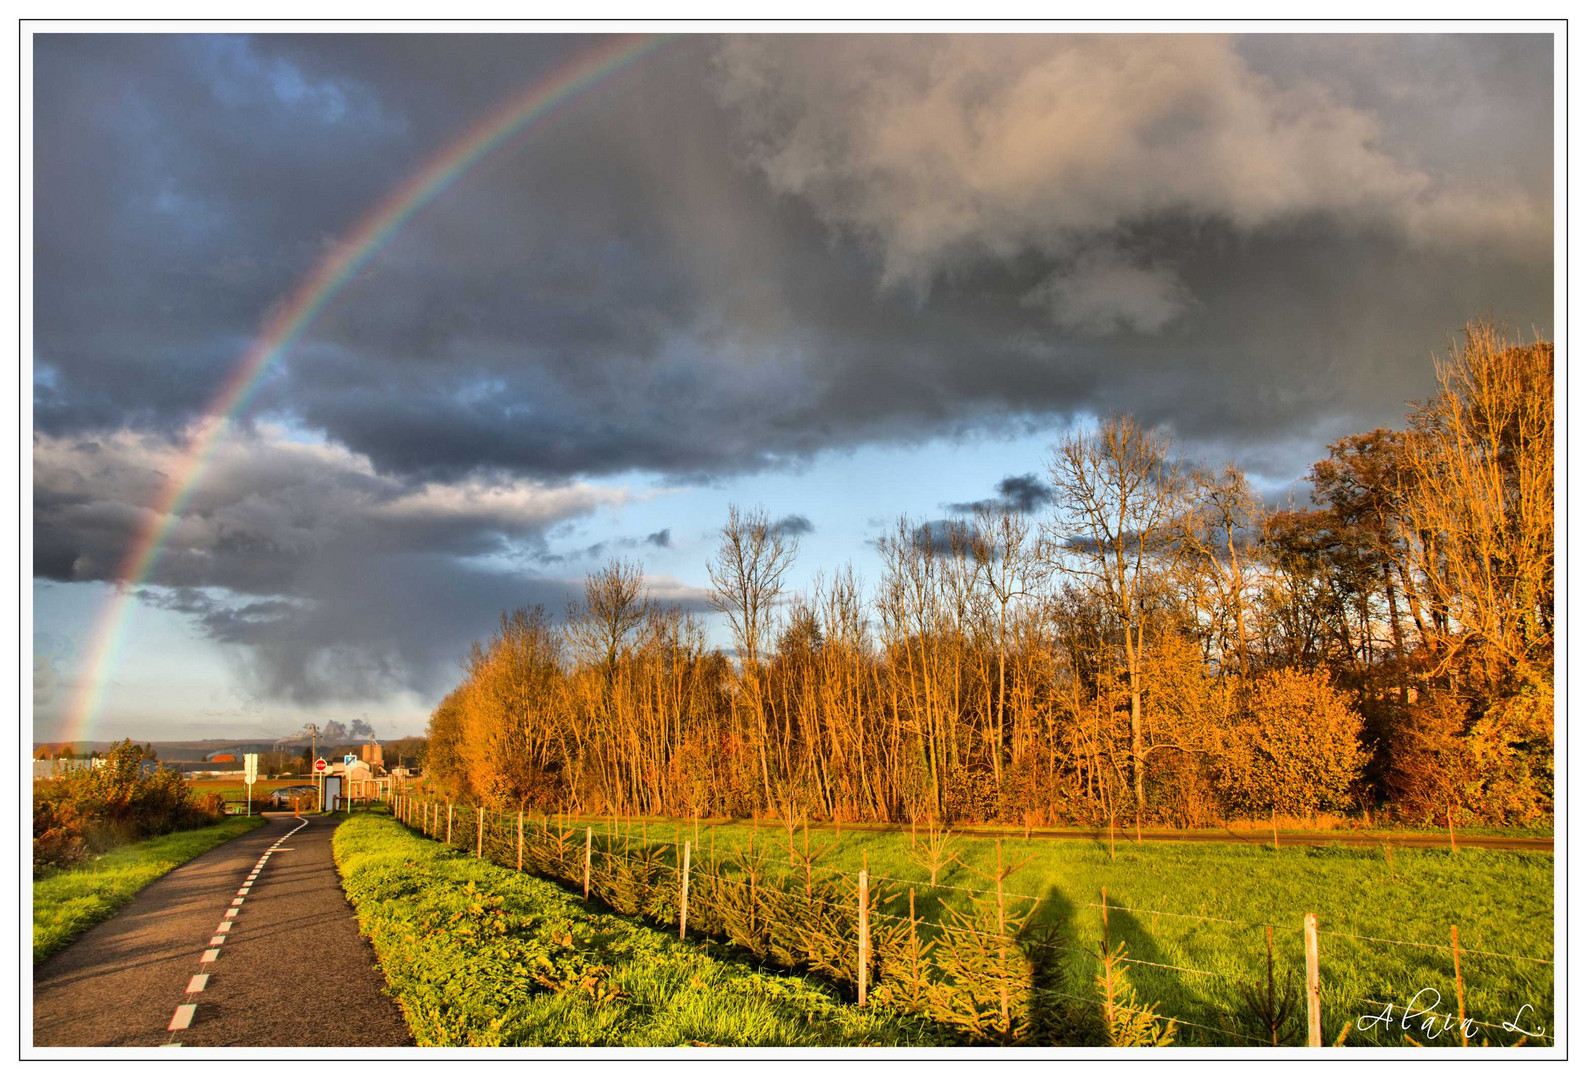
1064,964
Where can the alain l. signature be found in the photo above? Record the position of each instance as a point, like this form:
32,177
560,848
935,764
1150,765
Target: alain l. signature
1420,1012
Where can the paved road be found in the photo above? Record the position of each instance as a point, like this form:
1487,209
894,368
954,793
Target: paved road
289,970
1286,839
1259,838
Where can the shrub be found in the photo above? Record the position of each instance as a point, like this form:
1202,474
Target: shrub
1295,746
1495,765
116,801
57,829
212,804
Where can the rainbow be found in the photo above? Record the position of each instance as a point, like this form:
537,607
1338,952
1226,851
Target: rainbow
284,327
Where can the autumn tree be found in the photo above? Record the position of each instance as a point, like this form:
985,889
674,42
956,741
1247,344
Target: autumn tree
1479,502
1296,747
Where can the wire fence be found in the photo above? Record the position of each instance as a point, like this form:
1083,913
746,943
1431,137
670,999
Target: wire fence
999,966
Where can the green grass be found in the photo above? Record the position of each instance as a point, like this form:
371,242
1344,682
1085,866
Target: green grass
478,955
1502,902
67,903
236,791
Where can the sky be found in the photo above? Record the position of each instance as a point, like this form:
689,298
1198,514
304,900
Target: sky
841,278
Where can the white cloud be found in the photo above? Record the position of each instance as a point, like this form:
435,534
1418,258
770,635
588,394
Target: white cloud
265,498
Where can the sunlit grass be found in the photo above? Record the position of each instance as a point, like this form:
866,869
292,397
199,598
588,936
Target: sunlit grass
477,955
1205,906
67,903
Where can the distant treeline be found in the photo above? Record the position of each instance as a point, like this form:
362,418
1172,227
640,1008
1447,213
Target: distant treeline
1149,638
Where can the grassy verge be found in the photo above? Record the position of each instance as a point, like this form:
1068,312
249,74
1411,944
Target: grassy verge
478,955
69,902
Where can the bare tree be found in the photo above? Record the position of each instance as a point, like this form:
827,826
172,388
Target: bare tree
615,606
1119,498
1219,532
752,558
1007,559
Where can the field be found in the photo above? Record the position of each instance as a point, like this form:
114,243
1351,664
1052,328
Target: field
478,955
68,903
1194,919
236,791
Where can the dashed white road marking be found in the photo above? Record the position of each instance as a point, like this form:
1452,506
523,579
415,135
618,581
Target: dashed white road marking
183,1017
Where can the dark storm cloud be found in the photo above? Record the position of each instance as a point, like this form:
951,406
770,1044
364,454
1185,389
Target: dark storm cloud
324,580
1237,252
1025,493
733,256
794,525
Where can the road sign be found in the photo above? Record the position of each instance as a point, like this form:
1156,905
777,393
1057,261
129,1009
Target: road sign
319,765
348,759
250,766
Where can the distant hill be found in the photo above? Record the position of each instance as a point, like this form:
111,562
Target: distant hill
199,749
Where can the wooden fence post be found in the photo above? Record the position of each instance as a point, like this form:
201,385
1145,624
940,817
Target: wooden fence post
1449,819
587,842
683,895
1275,826
448,824
1313,985
1460,987
1107,966
520,839
865,930
1002,948
479,834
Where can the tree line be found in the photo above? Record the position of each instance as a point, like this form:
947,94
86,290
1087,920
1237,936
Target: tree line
1153,644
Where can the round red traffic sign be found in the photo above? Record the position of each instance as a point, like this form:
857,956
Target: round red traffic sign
319,765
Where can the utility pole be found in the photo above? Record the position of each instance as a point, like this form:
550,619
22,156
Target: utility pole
314,755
